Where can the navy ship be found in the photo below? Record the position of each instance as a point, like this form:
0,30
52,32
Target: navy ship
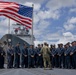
21,35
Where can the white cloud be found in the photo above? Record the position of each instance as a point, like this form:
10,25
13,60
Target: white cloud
3,27
72,10
23,1
35,1
40,22
40,29
68,34
49,38
43,25
36,18
36,6
48,14
57,4
67,37
52,36
70,24
3,31
28,4
72,20
4,23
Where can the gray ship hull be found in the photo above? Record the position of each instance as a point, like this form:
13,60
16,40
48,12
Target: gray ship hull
13,39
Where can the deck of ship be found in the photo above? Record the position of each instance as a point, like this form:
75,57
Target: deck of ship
37,71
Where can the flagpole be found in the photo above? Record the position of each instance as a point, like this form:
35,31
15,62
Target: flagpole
8,31
32,27
8,26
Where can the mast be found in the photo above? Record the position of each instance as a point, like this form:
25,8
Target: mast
8,26
32,27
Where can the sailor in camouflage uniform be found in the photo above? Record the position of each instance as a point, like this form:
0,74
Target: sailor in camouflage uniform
46,56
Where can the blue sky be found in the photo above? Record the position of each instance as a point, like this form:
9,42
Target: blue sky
54,20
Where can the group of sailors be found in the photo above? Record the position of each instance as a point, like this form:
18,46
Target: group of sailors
63,56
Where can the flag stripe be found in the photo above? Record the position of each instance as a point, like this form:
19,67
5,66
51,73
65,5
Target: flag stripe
15,15
9,16
10,8
15,18
4,6
18,21
3,3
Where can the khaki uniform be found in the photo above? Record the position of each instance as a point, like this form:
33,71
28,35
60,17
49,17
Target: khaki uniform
5,48
46,56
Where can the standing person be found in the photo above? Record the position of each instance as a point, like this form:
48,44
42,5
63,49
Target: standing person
56,58
31,54
10,55
67,56
17,56
53,53
65,48
12,60
61,55
51,47
49,54
46,56
39,57
42,56
73,54
2,55
35,57
24,57
5,48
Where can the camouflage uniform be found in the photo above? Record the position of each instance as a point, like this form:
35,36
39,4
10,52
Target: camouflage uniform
46,56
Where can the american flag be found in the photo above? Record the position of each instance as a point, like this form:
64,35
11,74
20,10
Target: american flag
17,12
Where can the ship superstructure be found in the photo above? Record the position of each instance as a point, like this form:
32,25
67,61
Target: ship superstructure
20,34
